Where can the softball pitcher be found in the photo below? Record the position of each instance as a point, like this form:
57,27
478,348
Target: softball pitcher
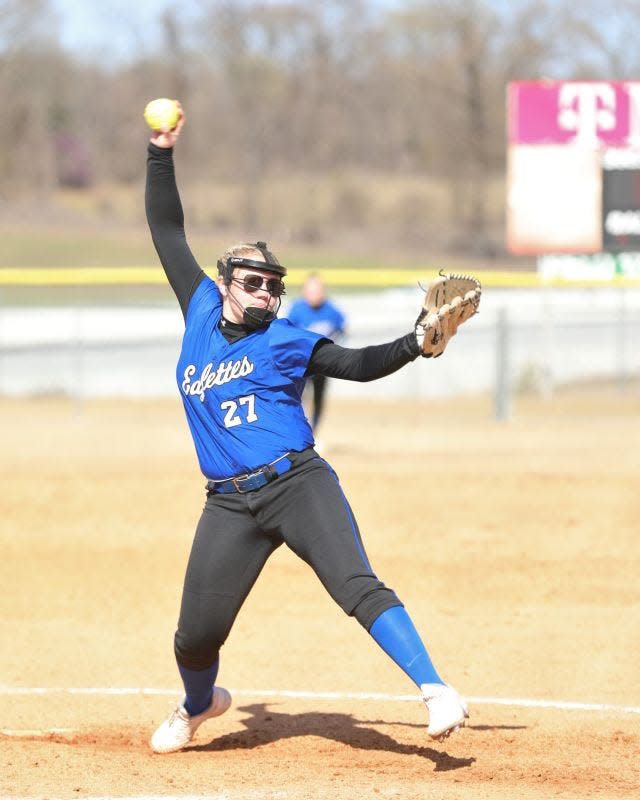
241,373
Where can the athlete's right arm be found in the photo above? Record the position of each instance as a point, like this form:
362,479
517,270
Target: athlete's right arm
166,222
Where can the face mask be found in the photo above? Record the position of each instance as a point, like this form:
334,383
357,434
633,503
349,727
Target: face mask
255,317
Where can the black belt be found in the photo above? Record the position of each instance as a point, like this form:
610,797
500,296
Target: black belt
251,481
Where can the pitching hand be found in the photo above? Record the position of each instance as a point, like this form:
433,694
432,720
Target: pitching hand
167,137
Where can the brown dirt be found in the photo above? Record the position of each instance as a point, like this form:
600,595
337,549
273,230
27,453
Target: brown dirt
514,546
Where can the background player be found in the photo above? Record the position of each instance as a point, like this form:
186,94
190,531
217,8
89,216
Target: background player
241,373
315,312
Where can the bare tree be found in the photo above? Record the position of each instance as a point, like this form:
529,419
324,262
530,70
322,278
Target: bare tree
329,92
26,155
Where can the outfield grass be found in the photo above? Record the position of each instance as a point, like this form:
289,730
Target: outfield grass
350,219
89,246
74,246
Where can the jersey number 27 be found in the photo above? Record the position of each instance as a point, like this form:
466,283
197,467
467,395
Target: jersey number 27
232,415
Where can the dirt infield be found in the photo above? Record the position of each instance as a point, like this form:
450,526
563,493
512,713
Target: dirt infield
514,546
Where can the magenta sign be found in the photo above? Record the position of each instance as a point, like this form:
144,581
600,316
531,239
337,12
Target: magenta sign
585,113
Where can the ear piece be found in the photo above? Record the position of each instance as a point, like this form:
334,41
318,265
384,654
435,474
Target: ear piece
226,270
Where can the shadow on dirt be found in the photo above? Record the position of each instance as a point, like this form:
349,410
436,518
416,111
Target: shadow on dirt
264,726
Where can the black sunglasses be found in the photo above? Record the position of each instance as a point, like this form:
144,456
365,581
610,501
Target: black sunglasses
253,283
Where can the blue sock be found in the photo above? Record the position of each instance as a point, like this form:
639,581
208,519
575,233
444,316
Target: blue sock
397,636
198,687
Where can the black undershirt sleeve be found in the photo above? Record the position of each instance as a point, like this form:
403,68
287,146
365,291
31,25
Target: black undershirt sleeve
364,363
166,223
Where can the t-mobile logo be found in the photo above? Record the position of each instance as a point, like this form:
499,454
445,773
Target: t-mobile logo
587,108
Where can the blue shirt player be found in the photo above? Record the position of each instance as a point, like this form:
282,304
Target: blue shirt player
315,312
241,374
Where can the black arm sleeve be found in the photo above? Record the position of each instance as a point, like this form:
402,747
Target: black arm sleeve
166,222
365,363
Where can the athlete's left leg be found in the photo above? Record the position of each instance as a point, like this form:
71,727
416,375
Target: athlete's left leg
311,513
317,523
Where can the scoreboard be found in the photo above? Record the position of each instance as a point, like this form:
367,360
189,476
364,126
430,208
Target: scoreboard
573,167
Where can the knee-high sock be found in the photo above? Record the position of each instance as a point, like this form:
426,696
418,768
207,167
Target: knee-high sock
394,631
198,687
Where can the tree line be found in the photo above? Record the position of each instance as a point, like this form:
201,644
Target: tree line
277,91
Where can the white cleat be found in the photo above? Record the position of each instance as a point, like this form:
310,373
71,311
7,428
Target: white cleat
447,710
179,728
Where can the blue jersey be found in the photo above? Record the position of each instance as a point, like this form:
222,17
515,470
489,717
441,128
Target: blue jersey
326,319
243,398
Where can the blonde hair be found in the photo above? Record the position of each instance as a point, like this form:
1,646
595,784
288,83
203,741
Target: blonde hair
248,250
243,250
252,252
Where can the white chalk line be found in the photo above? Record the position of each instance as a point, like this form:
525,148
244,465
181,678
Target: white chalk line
34,732
309,695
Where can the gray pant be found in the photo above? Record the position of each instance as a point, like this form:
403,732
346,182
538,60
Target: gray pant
304,508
